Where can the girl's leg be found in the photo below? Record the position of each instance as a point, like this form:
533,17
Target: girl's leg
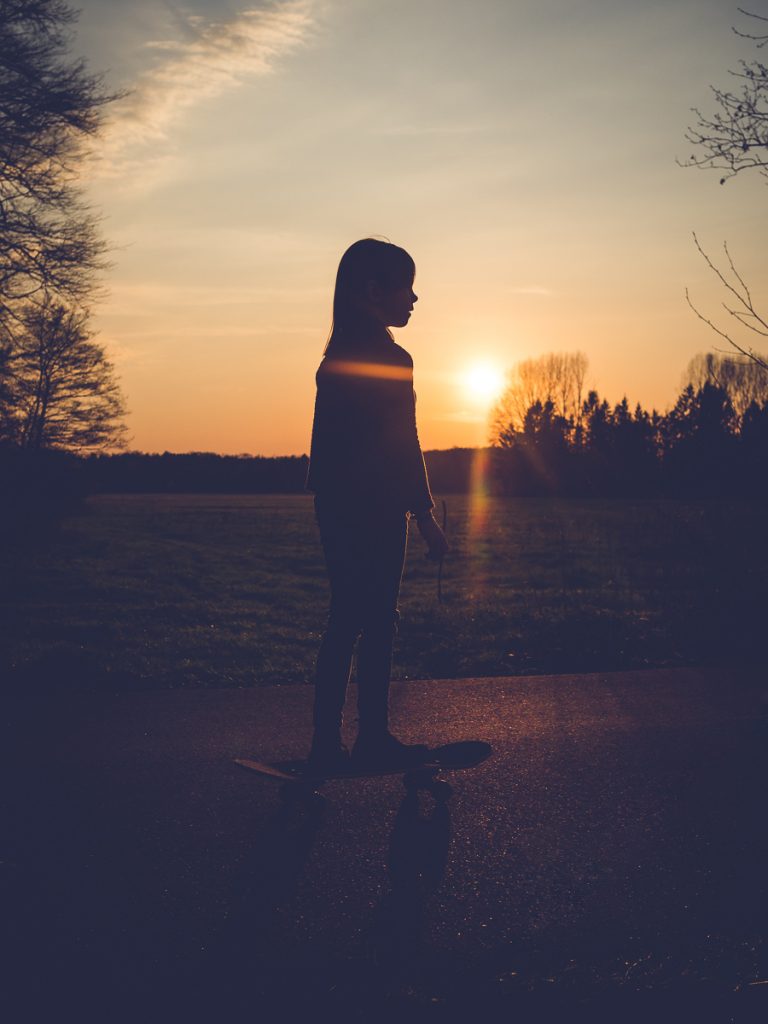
374,654
375,745
334,658
374,668
364,557
334,663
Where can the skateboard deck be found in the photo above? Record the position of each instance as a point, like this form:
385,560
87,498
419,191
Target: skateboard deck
448,757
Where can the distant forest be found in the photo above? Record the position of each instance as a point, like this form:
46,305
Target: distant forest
712,443
546,440
204,472
702,447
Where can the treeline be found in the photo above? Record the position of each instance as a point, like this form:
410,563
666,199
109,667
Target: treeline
194,472
449,471
701,448
553,436
41,476
547,440
704,446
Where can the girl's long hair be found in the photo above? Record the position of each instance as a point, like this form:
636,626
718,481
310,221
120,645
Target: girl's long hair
370,259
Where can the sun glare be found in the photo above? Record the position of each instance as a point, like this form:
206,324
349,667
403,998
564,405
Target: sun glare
483,382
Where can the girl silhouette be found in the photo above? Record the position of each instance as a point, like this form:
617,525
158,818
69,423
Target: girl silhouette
368,476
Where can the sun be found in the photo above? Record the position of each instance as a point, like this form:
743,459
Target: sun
483,382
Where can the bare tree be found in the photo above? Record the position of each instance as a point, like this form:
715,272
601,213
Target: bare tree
557,378
735,137
57,389
740,307
732,140
65,392
49,105
7,425
743,382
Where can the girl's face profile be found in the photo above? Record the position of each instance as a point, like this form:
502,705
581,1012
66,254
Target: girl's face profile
392,307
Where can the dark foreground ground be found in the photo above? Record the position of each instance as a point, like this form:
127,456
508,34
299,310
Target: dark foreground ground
607,863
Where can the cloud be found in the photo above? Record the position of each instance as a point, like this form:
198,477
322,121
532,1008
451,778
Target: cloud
214,57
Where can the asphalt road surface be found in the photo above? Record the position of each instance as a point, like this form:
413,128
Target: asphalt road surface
607,862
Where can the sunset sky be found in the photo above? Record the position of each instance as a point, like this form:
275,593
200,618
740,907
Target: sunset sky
523,151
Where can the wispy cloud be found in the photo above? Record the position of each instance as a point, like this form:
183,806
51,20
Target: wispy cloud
213,58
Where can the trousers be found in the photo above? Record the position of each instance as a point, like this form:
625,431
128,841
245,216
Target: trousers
364,556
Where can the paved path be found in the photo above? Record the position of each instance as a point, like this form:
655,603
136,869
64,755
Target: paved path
610,857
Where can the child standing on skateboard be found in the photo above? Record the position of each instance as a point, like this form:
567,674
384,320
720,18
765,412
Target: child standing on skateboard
368,476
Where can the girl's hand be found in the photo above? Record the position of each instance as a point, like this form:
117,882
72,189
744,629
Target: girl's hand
437,545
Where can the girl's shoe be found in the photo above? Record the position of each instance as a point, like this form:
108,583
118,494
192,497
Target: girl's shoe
383,750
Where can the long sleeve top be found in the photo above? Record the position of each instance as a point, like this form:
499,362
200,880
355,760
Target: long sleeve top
365,447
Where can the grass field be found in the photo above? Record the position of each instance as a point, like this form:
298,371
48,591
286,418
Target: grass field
208,590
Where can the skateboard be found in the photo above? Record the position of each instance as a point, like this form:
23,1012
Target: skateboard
297,780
